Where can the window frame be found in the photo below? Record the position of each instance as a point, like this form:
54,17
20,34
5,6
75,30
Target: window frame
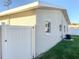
47,26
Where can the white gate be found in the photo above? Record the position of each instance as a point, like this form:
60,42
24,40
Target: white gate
16,42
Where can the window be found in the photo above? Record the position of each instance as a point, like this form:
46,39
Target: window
64,28
60,27
47,27
67,29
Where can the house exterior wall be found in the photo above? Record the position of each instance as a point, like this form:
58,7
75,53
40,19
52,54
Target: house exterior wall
64,24
27,18
44,41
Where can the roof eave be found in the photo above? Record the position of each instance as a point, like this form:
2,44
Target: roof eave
20,9
66,16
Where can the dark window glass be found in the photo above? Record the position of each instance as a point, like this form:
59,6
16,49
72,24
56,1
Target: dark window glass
47,27
64,28
60,27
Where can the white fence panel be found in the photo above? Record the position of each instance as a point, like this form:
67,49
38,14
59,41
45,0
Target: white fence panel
17,43
0,43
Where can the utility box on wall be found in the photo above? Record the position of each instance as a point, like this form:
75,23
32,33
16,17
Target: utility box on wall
15,42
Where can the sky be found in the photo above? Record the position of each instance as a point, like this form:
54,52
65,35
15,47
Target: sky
72,6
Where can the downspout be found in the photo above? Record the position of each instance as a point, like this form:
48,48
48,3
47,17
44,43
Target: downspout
33,42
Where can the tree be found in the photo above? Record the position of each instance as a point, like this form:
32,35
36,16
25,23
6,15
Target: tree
7,3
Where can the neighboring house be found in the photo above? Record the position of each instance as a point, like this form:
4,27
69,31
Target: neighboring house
49,22
74,29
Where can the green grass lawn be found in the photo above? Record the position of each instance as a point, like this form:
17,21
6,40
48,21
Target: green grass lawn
63,50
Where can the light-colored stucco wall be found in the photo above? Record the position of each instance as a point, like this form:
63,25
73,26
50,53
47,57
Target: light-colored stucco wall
64,23
45,41
27,18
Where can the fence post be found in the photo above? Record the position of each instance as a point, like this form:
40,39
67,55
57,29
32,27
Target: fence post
4,44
